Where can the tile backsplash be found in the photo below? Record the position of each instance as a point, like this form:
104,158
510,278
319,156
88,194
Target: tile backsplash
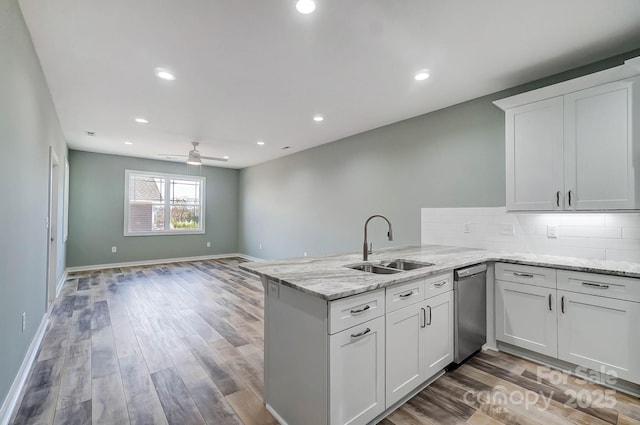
604,236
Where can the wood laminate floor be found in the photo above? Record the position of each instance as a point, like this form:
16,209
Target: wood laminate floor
182,344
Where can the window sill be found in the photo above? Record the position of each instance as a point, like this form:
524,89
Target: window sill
165,233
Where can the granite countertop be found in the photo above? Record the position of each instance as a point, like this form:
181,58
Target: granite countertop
328,278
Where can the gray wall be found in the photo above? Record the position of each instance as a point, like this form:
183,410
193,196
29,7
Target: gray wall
317,200
28,126
96,212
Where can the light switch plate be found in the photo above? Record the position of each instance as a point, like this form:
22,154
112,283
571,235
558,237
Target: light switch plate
467,227
552,231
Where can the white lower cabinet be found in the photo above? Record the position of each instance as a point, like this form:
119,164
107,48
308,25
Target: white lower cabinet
600,333
591,320
526,317
438,332
405,368
357,373
419,344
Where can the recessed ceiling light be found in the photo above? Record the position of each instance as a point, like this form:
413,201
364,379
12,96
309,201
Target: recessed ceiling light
225,157
305,6
422,75
318,118
260,143
142,121
164,74
128,143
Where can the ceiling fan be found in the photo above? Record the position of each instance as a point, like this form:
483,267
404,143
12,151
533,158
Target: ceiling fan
194,157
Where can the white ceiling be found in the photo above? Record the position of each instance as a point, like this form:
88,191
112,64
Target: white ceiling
250,70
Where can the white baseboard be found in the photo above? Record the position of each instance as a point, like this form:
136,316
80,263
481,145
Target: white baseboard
15,392
159,261
275,415
250,258
63,278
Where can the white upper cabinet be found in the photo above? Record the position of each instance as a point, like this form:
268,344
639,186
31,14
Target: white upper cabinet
534,155
570,146
598,171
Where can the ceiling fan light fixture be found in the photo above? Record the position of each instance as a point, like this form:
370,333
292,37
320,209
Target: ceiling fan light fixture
194,160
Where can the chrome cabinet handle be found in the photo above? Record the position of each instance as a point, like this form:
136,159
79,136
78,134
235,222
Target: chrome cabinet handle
596,285
520,274
558,198
429,322
364,332
360,310
408,294
440,284
424,317
550,307
569,195
562,304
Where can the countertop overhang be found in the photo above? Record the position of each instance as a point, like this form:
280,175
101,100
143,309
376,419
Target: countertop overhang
329,277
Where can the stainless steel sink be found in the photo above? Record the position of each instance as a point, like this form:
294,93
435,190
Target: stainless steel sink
373,268
400,264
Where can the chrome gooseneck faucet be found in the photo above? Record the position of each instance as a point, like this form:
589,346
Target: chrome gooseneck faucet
365,247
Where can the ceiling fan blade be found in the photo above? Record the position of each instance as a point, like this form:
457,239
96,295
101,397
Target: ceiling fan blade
213,158
170,155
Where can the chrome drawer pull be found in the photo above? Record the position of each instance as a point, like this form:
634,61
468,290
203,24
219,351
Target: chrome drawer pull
562,304
429,322
520,274
550,308
408,294
440,284
364,332
596,285
424,317
360,310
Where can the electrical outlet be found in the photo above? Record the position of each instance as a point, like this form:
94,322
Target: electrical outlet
304,254
24,321
260,245
114,249
552,231
208,244
467,227
508,229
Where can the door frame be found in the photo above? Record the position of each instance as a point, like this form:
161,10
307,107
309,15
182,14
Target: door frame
52,228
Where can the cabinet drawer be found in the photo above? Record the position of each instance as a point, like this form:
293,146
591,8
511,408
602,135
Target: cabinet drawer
436,285
622,288
352,311
531,275
400,296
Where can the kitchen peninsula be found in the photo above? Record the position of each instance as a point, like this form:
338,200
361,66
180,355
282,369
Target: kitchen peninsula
334,356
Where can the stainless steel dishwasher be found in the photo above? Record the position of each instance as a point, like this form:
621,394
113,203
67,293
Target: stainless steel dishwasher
470,309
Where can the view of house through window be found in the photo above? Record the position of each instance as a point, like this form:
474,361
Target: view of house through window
163,203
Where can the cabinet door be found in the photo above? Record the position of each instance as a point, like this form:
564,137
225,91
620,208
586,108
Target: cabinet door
599,148
526,317
405,368
600,333
357,373
437,344
534,156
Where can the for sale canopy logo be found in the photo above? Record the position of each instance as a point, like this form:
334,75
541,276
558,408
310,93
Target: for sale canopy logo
572,391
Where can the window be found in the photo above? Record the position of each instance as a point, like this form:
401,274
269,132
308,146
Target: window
166,204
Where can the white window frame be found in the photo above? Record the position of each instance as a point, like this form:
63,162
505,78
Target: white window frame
167,201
